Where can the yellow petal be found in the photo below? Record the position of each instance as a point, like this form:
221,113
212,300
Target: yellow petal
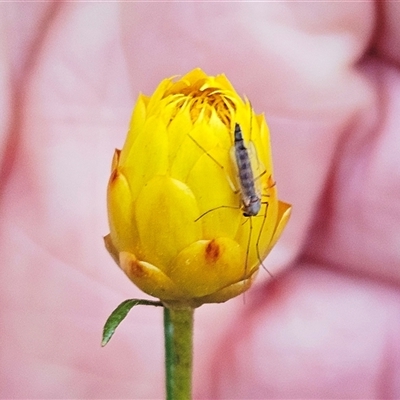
207,266
115,160
195,75
220,212
178,130
223,82
153,140
222,134
194,145
228,292
110,248
136,127
165,213
284,212
123,233
149,278
157,96
264,144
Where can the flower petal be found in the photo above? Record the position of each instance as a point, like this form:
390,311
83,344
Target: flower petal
178,130
284,212
223,82
220,213
123,233
149,278
228,292
136,127
207,266
263,144
110,248
152,140
154,101
165,213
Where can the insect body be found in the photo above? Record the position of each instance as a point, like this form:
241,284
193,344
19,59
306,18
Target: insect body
250,198
251,201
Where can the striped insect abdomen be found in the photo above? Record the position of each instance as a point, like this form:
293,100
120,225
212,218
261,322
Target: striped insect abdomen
251,201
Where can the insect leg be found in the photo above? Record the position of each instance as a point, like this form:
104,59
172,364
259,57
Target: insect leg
213,209
259,237
206,152
248,246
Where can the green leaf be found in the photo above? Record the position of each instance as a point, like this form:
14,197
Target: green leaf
120,313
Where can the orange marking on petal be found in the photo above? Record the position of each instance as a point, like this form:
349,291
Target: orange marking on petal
115,159
136,269
114,176
213,252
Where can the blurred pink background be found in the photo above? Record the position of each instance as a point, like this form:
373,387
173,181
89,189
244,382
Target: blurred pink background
326,74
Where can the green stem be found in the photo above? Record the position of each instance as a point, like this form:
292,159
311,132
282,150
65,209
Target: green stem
178,333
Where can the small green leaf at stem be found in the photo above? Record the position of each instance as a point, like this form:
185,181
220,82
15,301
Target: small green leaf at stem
119,314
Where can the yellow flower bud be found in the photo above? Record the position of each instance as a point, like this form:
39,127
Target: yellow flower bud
175,207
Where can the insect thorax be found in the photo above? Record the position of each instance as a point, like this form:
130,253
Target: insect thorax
251,206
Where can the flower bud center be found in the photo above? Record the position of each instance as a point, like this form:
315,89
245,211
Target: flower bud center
202,102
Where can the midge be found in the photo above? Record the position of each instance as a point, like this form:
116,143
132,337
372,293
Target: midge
250,198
